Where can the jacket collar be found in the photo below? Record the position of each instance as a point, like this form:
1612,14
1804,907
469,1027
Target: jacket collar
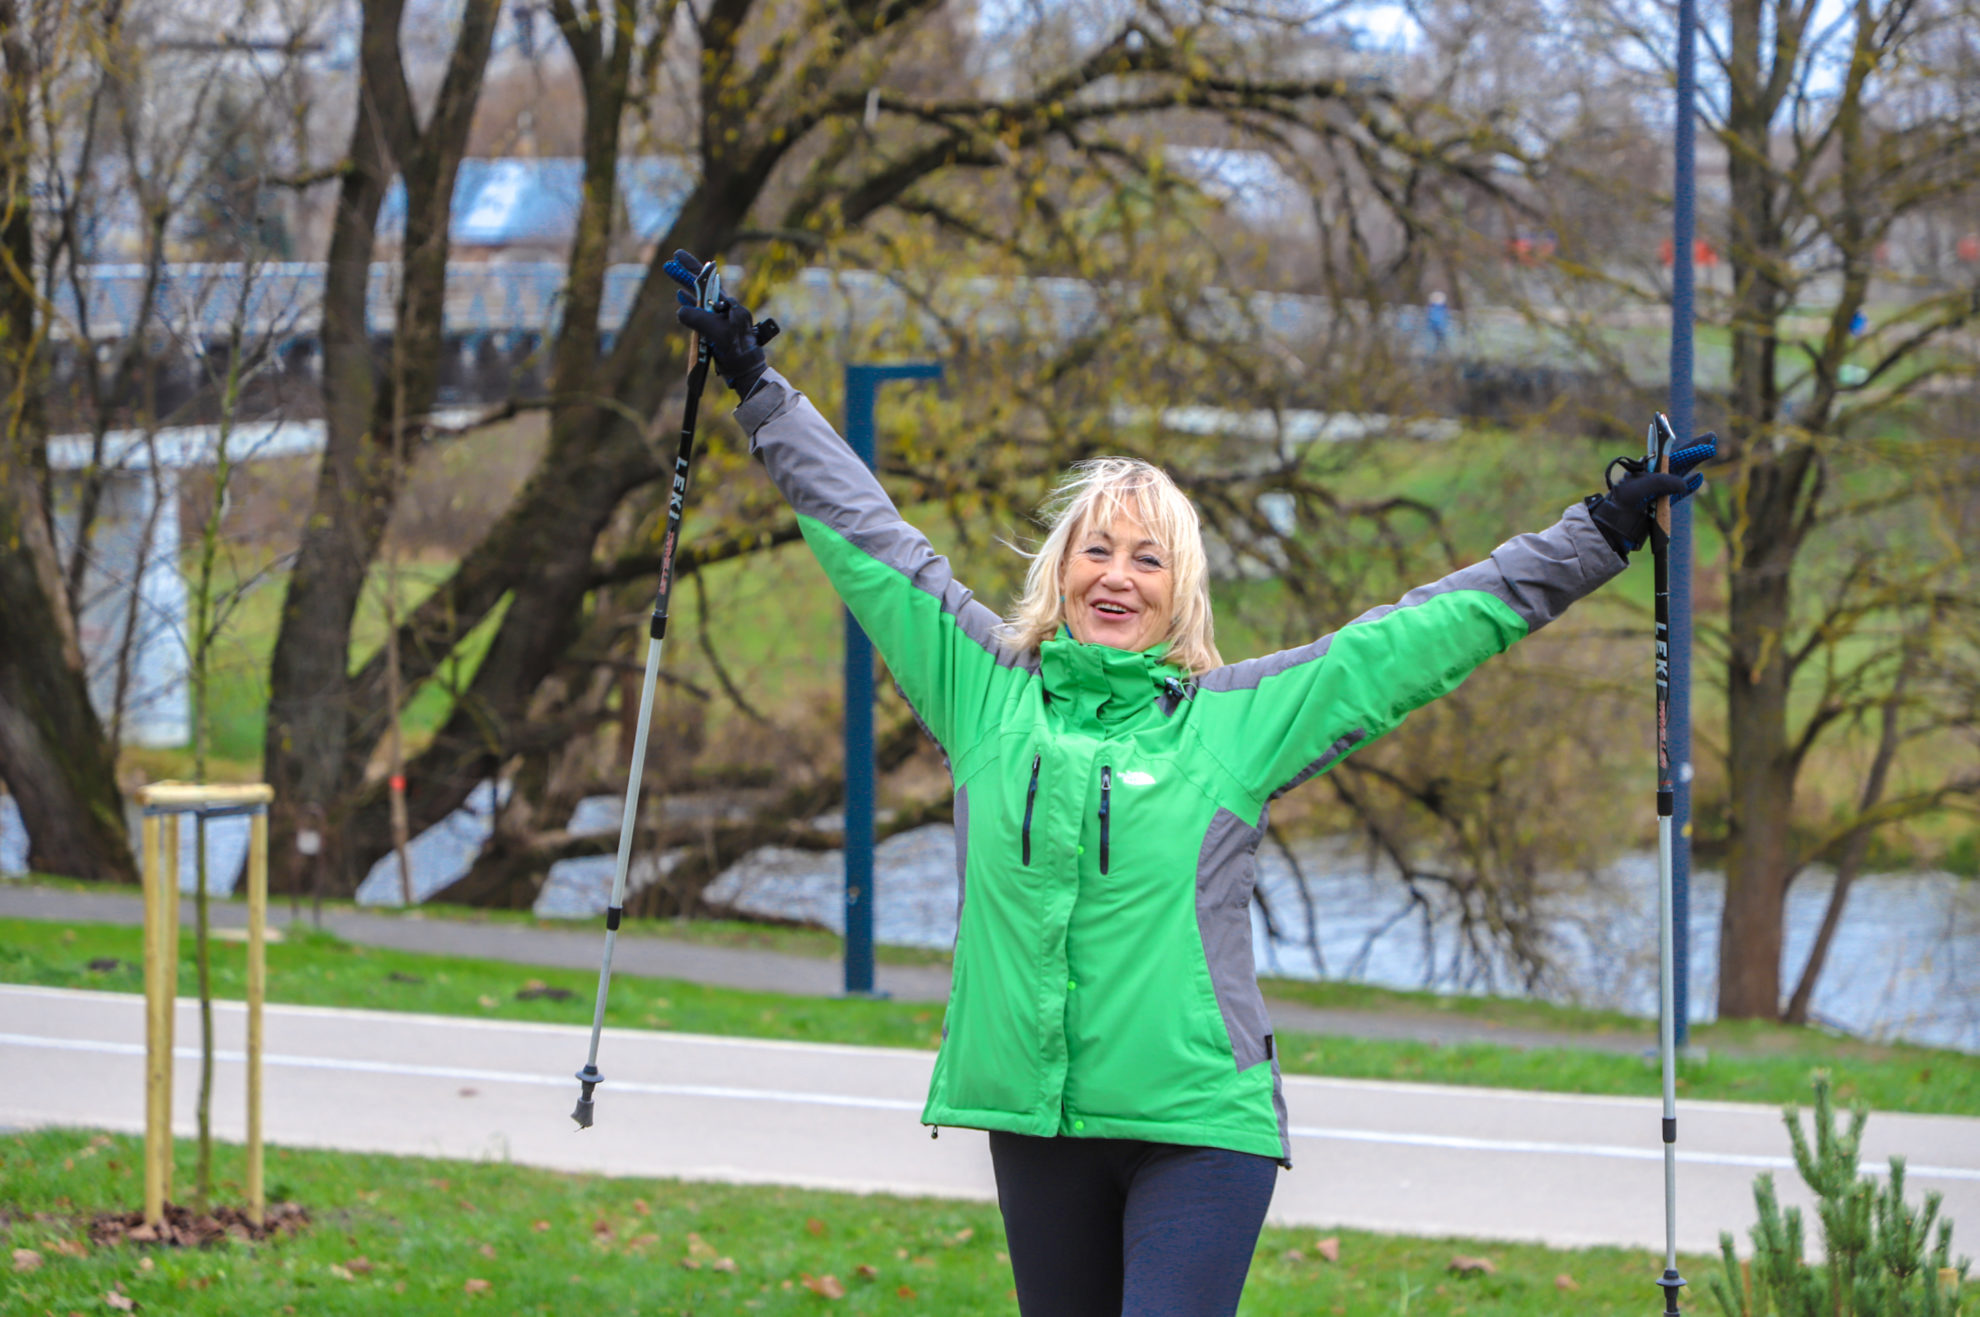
1100,685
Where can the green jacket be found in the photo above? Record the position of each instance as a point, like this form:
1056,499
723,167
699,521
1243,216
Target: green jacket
1108,811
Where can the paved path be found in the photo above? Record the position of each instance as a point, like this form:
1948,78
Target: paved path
1407,1158
577,947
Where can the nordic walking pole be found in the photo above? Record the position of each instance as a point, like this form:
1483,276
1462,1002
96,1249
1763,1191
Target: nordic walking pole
708,292
1658,458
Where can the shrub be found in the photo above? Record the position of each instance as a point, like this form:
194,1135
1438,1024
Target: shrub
1880,1258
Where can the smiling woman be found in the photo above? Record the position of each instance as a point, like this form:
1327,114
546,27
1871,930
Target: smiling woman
1123,567
1112,778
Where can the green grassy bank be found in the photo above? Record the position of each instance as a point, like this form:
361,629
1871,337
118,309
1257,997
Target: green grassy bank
411,1235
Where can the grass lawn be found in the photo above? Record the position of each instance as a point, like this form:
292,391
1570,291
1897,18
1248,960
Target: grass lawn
414,1235
1753,1063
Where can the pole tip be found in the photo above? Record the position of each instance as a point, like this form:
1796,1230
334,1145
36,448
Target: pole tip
588,1079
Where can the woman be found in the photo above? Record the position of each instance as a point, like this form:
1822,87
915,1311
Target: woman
1112,777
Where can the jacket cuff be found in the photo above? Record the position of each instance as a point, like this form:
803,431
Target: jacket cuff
1592,543
773,396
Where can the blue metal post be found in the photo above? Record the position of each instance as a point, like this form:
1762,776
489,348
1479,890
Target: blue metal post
862,385
1684,231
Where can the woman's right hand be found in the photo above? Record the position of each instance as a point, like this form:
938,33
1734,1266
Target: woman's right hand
734,339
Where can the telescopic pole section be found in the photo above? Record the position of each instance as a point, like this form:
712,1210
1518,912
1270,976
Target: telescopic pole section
1661,443
589,1078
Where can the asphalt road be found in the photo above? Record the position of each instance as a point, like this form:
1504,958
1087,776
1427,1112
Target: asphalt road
1420,1159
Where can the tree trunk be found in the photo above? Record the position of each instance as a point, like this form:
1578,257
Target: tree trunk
1760,763
313,717
53,755
308,699
1760,785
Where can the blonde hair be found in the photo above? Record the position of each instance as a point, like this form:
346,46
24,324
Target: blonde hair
1097,492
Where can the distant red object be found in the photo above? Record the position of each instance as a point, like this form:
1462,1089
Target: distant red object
1531,248
1968,248
1703,254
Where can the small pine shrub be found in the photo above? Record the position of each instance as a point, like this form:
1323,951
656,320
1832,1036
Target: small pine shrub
1880,1258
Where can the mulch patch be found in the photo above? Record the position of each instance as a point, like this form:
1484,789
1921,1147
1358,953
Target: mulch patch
183,1228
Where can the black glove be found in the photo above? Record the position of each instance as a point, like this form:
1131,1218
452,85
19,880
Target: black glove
1626,513
735,341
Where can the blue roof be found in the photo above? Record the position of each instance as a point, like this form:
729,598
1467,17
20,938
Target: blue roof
510,200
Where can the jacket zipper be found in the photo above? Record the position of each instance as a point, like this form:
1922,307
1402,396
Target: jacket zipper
1030,799
1106,785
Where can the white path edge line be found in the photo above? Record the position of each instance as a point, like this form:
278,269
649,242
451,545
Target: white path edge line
1449,1142
483,1076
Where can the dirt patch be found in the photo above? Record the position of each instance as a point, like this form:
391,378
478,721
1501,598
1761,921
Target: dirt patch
184,1228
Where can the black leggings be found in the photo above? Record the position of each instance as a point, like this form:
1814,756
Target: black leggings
1121,1228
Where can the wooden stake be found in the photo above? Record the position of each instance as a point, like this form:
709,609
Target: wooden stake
257,984
157,1056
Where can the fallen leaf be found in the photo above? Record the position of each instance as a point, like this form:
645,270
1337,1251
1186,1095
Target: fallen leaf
487,1250
904,1292
1329,1248
360,1264
1294,1256
540,1227
643,1241
699,1247
488,1002
966,1234
901,1253
1465,1266
476,1285
602,1228
866,1271
533,983
341,1272
146,1264
75,1248
1565,1282
26,1259
724,1264
814,1225
827,1285
640,1206
692,1264
121,1302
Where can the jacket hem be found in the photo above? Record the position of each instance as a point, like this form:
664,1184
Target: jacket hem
1247,1139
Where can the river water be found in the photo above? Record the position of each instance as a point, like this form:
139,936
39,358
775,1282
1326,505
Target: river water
1905,962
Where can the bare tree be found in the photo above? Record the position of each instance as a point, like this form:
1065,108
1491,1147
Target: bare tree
808,126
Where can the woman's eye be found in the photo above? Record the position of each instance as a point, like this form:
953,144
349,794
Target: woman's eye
1150,561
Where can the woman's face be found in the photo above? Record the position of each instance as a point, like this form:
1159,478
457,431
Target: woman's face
1118,586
